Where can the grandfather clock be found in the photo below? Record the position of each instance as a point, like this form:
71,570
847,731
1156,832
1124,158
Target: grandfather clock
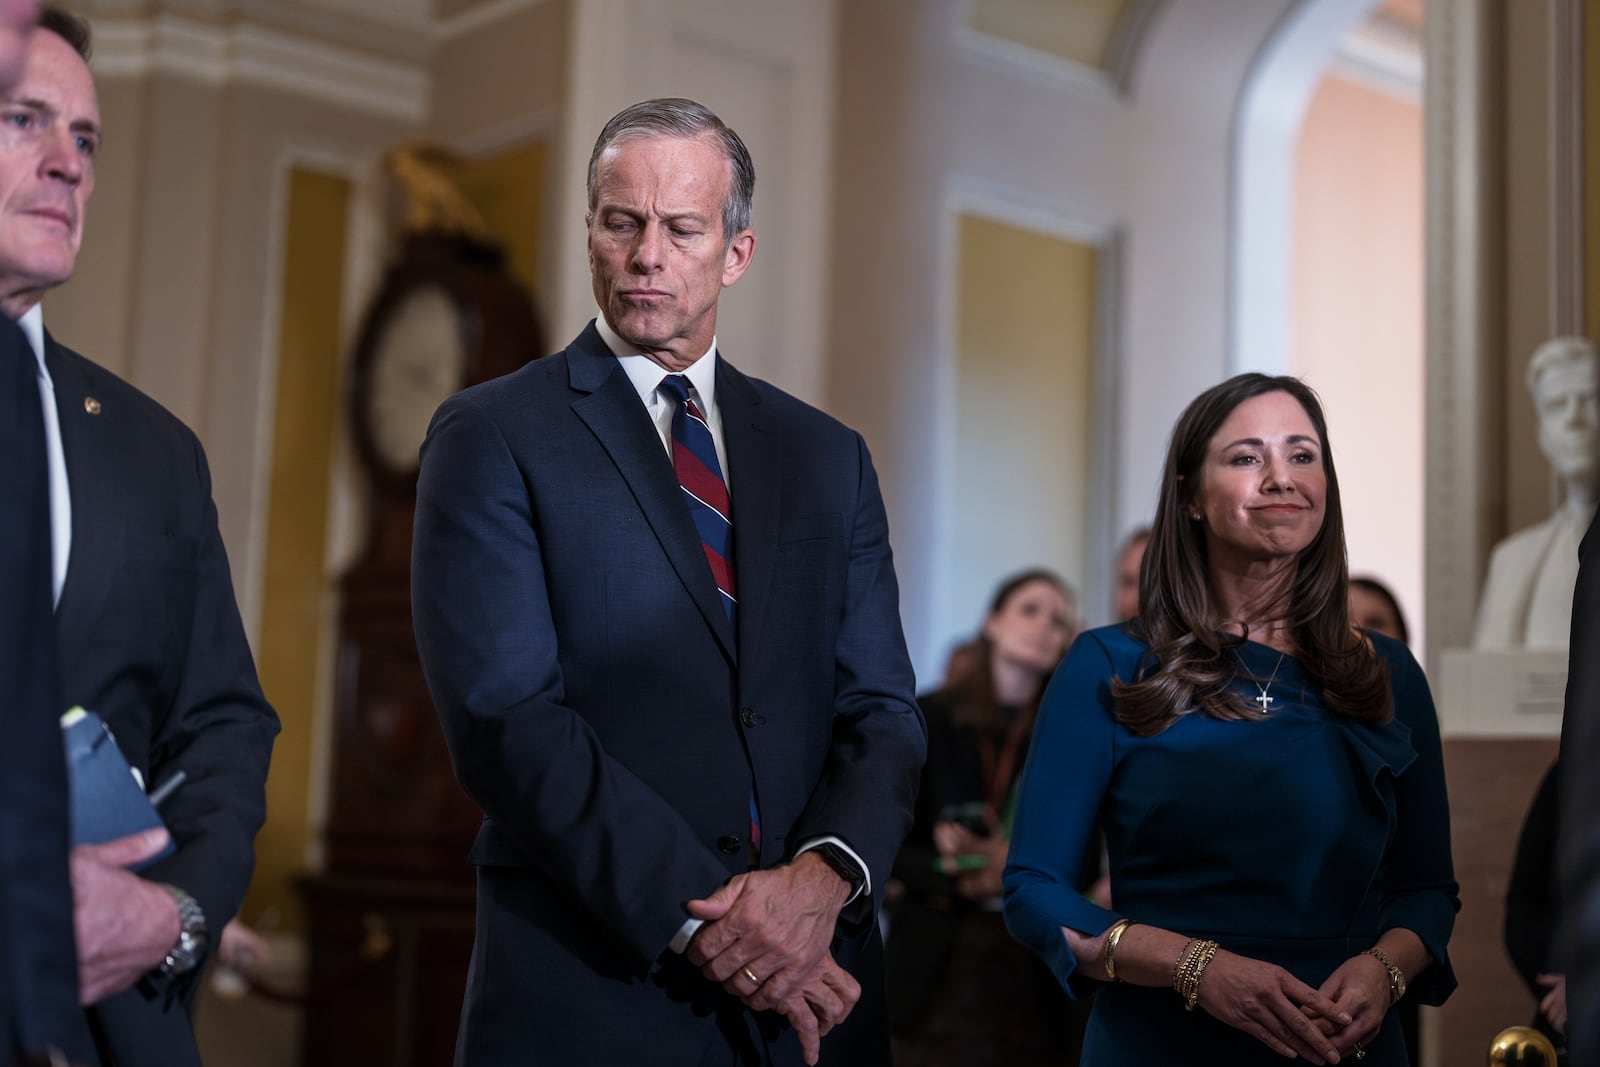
391,916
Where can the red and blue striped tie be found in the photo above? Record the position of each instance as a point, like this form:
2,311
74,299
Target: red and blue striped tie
694,459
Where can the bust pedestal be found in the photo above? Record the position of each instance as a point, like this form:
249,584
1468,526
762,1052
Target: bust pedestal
1502,692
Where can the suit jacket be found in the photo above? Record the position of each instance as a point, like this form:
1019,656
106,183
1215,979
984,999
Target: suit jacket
150,637
603,711
38,966
1579,840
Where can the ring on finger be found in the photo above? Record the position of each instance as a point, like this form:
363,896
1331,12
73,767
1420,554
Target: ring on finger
748,973
1360,1052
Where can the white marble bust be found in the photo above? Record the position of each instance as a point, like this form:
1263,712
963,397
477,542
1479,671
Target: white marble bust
1527,597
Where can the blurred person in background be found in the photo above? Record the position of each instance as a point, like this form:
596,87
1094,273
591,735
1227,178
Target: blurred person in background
1533,908
1269,778
1373,607
1129,559
961,991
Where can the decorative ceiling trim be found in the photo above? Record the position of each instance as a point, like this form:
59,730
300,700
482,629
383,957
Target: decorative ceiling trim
248,53
1044,67
1382,54
446,30
1127,40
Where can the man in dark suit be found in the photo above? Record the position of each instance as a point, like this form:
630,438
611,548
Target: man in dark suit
148,634
39,1014
1579,808
695,745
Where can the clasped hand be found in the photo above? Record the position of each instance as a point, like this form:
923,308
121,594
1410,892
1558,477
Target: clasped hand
777,925
1282,1012
124,925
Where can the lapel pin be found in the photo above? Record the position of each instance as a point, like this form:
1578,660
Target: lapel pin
91,405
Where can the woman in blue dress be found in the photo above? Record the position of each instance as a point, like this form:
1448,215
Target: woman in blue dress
1268,777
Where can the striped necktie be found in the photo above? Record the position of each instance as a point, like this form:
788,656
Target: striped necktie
694,458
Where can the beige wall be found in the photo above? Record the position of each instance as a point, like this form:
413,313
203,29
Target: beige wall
1357,319
928,122
1079,30
497,79
297,598
1020,448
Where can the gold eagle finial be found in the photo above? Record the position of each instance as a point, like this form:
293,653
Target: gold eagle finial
434,203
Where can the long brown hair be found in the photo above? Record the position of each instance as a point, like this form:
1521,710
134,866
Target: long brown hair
973,689
1191,665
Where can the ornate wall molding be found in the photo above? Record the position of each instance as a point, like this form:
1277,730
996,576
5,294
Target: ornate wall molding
1382,54
251,53
1464,221
1566,169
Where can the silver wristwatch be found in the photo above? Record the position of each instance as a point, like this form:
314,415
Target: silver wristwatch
192,935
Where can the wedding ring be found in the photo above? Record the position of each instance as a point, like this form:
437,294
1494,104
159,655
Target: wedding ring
748,973
1360,1052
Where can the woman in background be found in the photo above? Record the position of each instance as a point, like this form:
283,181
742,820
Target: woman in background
961,991
1373,607
1269,778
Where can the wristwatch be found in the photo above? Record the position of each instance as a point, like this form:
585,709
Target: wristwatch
1397,977
842,865
193,937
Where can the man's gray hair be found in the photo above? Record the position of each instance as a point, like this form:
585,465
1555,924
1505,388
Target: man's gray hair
677,117
1555,351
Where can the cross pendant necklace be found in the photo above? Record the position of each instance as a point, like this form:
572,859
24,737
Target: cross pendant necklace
1264,700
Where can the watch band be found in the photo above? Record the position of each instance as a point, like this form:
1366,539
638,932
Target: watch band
193,936
1397,977
842,865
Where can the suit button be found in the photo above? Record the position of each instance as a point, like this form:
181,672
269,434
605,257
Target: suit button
729,843
749,717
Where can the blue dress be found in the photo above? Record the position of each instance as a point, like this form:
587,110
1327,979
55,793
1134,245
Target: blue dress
1297,838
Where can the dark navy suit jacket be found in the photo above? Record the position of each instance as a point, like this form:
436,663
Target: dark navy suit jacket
1579,807
149,636
38,963
605,714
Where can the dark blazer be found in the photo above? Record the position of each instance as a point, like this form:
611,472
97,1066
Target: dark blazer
1579,810
150,637
38,965
1533,905
601,709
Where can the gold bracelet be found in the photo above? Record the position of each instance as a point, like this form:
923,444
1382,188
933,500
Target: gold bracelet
1397,977
1182,963
1200,966
1109,955
1197,954
1181,970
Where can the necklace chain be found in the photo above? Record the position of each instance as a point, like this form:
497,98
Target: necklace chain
1264,699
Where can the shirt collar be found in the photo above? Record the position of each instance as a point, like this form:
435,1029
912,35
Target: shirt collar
646,374
32,326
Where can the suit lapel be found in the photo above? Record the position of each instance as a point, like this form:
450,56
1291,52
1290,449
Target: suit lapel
97,524
611,410
754,453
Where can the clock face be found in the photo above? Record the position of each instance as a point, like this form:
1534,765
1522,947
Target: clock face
418,362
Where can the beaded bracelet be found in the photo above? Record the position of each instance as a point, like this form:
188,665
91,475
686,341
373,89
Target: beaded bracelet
1197,955
1180,969
1109,955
